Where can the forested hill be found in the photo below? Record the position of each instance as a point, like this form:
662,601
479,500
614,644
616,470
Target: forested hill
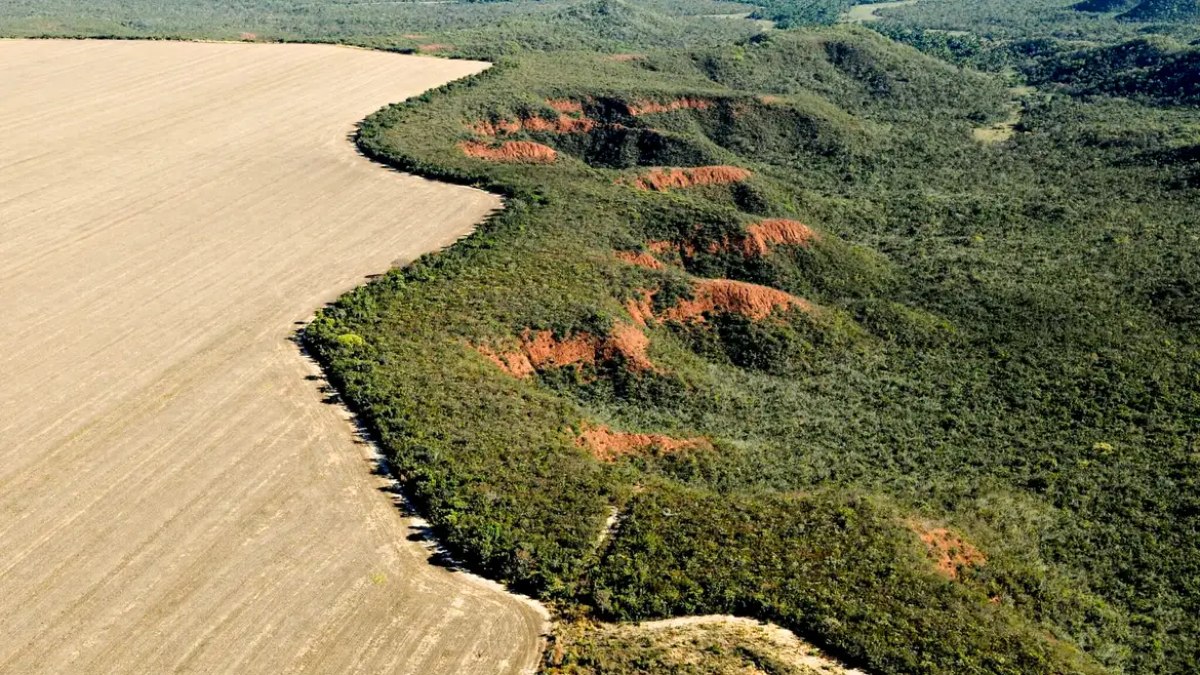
1164,10
836,358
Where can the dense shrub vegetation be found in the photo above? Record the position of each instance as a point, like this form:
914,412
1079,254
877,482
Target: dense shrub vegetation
996,340
1000,349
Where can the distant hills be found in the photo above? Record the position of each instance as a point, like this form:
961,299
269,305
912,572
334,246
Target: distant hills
1164,10
1148,11
1103,6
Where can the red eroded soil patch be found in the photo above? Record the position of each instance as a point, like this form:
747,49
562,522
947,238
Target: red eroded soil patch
562,125
948,549
758,240
545,351
764,234
630,343
540,349
641,259
665,179
651,107
526,152
607,445
513,363
641,308
735,297
565,105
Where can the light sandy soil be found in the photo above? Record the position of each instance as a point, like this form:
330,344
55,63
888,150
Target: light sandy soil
716,644
1007,128
783,643
870,12
174,494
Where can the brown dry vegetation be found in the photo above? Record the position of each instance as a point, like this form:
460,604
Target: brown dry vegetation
663,179
564,124
661,247
723,644
646,107
176,497
434,47
565,105
607,445
524,152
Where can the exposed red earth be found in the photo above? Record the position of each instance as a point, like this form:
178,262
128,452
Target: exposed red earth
607,445
663,179
524,152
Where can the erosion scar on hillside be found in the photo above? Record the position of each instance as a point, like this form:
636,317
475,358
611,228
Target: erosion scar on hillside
174,493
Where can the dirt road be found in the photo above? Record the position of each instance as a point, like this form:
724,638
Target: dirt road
174,494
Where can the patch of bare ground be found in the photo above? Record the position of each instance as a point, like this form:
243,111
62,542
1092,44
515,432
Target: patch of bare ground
735,297
647,107
641,308
540,350
762,236
867,13
565,105
607,445
663,179
563,124
176,495
757,240
998,132
624,58
705,645
641,259
519,152
434,47
949,551
1005,129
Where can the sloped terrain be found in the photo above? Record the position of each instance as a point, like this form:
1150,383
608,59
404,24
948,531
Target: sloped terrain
897,346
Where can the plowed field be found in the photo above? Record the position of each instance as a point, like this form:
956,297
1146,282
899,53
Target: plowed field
175,496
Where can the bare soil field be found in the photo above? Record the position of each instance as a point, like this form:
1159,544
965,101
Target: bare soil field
870,12
175,496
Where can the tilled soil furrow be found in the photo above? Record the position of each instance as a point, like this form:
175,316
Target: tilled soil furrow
176,496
